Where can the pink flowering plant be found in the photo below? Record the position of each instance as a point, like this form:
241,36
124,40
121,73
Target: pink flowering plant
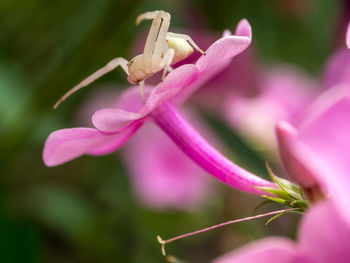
313,145
114,126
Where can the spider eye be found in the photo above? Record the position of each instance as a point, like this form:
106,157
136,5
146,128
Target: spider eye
131,62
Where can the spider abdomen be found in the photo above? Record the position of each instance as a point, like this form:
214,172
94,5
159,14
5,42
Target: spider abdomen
181,47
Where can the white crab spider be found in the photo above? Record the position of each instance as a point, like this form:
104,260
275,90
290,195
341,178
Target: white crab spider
162,49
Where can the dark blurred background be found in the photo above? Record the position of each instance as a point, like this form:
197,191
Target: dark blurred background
84,211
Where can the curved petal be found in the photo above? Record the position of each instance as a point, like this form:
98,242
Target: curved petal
268,250
67,144
244,29
218,56
284,92
113,120
324,236
323,145
294,167
328,145
130,99
226,48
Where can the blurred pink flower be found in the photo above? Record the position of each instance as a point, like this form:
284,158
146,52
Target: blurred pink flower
163,176
337,68
115,126
323,237
316,152
282,92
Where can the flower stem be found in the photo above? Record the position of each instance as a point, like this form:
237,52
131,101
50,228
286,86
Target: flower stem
200,151
164,242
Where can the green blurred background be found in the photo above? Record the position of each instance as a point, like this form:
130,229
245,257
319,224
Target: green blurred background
84,211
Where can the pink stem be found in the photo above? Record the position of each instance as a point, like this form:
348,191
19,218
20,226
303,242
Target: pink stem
206,156
227,223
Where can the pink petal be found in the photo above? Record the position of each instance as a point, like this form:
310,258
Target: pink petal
227,33
226,48
323,145
328,143
110,96
244,29
67,144
292,164
268,250
162,176
289,87
284,92
324,236
130,99
218,56
113,120
240,78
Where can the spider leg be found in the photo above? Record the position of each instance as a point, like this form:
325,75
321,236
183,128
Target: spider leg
151,38
142,91
146,16
188,39
99,73
160,46
166,61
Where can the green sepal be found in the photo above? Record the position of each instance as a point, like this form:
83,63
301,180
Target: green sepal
288,187
286,193
277,192
277,200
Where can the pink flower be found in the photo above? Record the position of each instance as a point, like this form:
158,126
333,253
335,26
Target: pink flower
115,126
338,67
282,93
317,152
